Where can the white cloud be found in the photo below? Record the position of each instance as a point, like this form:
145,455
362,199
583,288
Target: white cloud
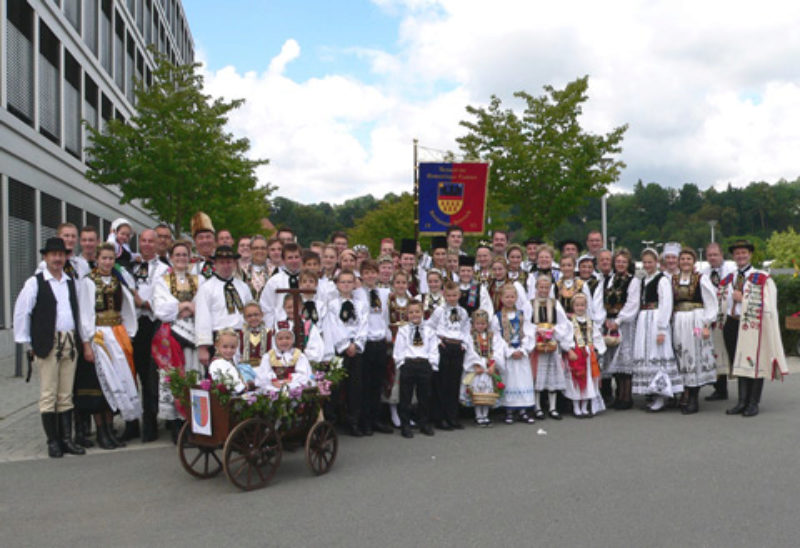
709,89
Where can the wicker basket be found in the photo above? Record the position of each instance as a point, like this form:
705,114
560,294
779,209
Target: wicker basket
793,323
612,340
484,398
546,347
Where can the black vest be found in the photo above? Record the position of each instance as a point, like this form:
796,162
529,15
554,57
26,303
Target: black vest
43,316
650,290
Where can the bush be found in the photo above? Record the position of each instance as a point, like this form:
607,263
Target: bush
788,303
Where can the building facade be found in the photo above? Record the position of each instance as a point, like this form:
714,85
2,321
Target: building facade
63,62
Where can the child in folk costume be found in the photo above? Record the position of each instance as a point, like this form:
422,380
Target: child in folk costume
433,298
513,341
473,294
593,283
553,332
568,285
255,339
224,367
284,366
583,371
313,343
695,310
398,302
408,263
416,354
483,266
499,280
543,267
653,352
516,273
480,364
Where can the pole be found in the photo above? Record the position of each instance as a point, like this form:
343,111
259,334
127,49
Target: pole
603,219
416,193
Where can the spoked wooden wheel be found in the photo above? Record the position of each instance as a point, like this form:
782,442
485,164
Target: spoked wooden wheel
322,444
252,454
201,462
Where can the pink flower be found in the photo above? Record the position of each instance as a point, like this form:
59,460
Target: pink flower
273,396
251,399
324,388
205,384
222,388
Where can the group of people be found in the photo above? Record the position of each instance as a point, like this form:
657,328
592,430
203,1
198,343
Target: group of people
421,335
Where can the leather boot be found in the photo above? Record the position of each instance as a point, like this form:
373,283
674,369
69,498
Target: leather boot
82,425
720,389
606,391
175,429
692,404
757,386
131,431
67,445
50,425
104,441
149,427
743,386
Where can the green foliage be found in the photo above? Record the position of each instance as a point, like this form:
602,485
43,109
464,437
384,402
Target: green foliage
175,157
391,219
312,222
788,303
784,248
542,162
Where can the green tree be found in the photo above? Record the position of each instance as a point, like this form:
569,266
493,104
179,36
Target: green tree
784,248
543,161
175,157
391,219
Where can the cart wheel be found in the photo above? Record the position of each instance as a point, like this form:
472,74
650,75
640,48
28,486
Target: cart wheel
322,444
252,454
201,462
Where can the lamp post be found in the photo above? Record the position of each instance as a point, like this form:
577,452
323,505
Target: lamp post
613,239
712,223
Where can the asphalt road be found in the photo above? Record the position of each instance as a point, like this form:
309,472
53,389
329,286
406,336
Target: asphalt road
620,479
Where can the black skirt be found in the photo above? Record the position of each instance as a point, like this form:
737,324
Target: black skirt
87,394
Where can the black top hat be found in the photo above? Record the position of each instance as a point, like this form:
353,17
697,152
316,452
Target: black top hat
738,244
53,244
466,260
438,242
225,252
530,241
407,245
562,243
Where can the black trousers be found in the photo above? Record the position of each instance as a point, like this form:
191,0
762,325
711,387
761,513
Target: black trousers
448,381
355,378
730,334
415,375
374,373
146,368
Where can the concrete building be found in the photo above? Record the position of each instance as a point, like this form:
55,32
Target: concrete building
61,62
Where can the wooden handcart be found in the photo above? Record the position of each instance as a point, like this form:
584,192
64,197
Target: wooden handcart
250,450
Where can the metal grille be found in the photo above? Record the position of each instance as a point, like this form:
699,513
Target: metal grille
21,235
90,24
72,105
19,71
74,215
49,100
106,31
72,9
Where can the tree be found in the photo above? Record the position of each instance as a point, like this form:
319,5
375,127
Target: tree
543,161
784,248
176,158
391,219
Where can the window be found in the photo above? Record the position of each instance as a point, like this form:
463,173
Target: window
90,101
19,69
75,215
49,85
21,234
94,220
72,10
106,112
148,21
119,52
129,70
72,105
139,68
106,37
90,24
50,209
106,229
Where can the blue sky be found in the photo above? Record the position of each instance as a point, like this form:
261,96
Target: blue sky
247,34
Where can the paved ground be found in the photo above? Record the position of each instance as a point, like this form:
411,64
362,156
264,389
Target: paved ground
621,479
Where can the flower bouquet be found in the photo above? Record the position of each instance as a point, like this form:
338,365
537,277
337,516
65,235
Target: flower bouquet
545,341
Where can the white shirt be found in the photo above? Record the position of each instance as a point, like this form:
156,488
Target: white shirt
341,334
270,300
445,328
404,348
26,301
145,285
377,320
733,308
221,368
211,313
485,302
663,314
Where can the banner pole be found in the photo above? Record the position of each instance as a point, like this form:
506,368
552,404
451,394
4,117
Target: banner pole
416,194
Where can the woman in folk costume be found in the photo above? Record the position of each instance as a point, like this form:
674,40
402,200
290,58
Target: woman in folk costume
257,272
120,236
480,364
513,340
583,371
516,272
398,316
544,267
174,343
499,280
695,310
108,321
433,298
652,351
621,295
554,335
759,349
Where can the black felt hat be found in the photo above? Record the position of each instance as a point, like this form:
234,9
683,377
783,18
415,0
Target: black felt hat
739,244
563,243
408,245
53,244
466,260
536,241
225,252
438,242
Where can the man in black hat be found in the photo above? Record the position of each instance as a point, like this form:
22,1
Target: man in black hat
408,263
531,250
438,260
46,318
219,302
569,247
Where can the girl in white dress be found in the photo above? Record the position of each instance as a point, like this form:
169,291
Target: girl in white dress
513,342
583,373
480,363
695,310
652,351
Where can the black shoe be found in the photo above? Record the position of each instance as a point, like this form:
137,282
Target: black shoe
131,431
743,386
67,445
175,429
623,405
427,430
149,427
555,415
50,425
367,431
455,425
113,435
755,398
104,440
716,396
538,414
82,427
382,428
720,389
354,431
406,431
442,425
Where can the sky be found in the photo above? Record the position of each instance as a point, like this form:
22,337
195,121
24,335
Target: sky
336,91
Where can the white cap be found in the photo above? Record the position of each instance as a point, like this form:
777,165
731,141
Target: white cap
672,248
